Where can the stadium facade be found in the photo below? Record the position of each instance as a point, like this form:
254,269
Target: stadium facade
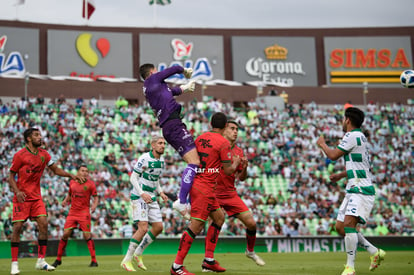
327,66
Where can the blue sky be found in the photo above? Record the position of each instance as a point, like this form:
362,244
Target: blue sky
262,14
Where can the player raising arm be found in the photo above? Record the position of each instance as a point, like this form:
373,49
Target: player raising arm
161,99
79,197
28,165
360,192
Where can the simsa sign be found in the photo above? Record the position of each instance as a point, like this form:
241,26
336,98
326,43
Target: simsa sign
375,60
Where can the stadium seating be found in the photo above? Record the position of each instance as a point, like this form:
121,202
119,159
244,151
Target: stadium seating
93,151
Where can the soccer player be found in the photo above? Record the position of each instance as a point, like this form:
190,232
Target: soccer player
145,208
161,99
28,164
215,154
360,192
227,195
79,197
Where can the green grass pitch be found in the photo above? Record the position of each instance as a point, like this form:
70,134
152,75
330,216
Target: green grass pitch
395,263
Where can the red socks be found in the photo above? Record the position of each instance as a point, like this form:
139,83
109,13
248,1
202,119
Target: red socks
91,247
185,244
211,240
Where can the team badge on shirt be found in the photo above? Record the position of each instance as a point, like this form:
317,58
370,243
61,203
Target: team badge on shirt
205,143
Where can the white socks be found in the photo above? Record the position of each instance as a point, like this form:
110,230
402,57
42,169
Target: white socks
364,243
131,248
145,242
351,243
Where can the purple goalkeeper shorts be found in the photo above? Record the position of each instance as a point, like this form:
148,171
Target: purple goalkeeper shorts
176,134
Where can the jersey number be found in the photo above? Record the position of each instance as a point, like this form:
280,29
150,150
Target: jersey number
17,209
202,162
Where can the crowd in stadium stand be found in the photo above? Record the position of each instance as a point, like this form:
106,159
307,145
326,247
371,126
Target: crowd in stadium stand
287,189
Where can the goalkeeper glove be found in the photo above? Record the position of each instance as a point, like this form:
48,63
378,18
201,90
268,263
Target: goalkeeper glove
182,209
189,87
188,72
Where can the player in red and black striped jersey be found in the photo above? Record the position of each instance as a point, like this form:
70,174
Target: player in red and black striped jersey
215,155
28,165
79,197
229,199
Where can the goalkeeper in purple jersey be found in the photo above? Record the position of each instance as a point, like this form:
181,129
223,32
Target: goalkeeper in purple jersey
161,99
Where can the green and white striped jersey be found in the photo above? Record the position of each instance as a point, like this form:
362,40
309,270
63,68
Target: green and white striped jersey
357,163
149,170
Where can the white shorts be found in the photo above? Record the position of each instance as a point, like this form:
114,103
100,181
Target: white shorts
143,212
356,205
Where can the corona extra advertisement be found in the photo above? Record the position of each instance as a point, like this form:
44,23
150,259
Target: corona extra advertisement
281,61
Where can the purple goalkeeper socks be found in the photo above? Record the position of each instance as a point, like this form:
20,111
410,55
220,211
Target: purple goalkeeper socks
187,179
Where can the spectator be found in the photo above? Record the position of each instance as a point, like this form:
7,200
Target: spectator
270,229
93,102
40,99
22,107
303,229
121,102
110,194
278,228
79,102
123,213
381,229
110,162
320,229
57,232
3,108
126,230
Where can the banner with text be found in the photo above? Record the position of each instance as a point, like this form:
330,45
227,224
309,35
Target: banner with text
283,61
166,245
377,60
